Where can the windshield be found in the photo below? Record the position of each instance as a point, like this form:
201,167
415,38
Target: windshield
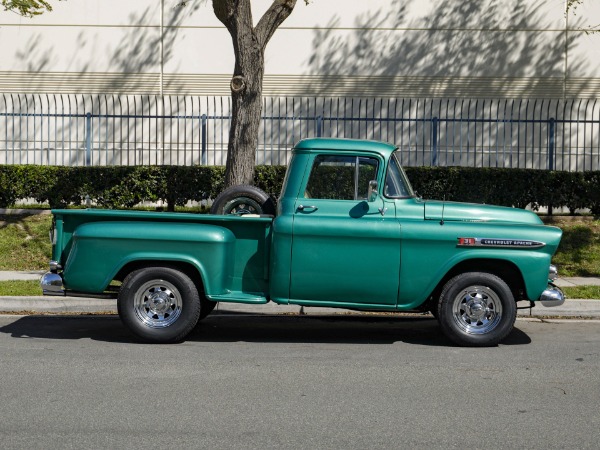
396,183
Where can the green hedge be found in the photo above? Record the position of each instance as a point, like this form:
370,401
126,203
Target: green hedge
509,187
126,186
121,186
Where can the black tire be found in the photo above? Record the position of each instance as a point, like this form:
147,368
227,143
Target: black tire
242,200
476,309
207,307
434,312
159,304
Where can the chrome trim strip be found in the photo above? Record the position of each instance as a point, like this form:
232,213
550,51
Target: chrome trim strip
498,243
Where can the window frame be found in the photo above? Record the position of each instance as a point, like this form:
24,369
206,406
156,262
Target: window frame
356,177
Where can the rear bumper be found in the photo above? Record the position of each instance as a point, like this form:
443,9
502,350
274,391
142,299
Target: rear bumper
552,296
52,282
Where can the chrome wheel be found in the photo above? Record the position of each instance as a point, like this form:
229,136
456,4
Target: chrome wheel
477,310
157,304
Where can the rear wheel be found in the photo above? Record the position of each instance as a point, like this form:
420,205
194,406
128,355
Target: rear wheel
242,200
159,304
476,309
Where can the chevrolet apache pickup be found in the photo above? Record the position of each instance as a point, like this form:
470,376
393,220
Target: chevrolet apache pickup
348,232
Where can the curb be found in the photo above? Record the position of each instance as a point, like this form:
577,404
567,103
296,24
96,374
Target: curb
43,304
589,309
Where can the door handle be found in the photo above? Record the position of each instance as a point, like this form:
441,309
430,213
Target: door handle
303,207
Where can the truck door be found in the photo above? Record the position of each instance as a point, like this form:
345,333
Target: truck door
345,249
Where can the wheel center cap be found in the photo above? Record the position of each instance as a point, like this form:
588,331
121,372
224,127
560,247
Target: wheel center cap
476,309
159,301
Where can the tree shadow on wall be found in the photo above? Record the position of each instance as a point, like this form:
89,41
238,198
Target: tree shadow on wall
139,52
131,78
449,43
134,62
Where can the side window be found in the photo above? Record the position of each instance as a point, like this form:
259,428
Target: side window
340,177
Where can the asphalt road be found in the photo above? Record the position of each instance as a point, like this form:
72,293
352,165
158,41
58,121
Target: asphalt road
246,381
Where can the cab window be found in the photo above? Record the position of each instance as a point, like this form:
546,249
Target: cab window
337,177
396,183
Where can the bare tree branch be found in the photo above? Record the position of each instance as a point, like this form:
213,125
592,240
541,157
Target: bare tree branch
272,18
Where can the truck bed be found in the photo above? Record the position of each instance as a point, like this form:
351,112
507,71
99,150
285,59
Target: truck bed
251,245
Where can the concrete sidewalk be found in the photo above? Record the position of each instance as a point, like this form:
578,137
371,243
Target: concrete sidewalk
25,275
8,275
573,308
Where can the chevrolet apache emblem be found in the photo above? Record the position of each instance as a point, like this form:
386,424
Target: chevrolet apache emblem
495,242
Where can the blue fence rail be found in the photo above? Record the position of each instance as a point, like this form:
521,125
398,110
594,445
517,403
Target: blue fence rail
133,130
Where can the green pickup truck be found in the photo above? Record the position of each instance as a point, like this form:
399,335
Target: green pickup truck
348,232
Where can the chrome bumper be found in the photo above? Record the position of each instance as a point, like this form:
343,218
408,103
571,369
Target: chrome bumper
52,282
552,296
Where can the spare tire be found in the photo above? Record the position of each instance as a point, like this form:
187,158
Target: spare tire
245,199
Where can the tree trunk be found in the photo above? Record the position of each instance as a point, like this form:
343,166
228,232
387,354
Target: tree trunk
246,96
249,44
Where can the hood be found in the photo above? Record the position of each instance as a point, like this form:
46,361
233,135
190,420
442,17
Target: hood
473,212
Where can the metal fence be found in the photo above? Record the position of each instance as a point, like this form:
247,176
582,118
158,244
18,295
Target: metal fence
185,130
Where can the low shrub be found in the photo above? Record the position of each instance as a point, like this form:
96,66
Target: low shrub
126,186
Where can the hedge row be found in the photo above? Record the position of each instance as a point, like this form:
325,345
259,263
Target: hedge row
509,187
120,186
125,186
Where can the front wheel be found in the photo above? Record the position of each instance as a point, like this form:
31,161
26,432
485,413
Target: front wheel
159,304
476,309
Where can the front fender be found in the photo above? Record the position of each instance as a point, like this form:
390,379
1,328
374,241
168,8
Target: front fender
533,267
101,249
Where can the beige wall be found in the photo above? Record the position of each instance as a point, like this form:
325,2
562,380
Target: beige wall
399,48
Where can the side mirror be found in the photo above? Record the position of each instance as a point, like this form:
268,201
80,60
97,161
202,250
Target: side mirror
372,193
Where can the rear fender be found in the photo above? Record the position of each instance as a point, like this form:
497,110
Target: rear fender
101,249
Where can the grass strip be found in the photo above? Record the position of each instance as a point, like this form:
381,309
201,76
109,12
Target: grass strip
578,254
25,242
20,288
582,292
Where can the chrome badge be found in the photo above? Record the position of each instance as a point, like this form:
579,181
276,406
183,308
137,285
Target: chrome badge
496,242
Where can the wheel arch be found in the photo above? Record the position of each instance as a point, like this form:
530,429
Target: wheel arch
506,270
186,267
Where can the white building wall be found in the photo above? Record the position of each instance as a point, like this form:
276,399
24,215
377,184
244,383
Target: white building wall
376,48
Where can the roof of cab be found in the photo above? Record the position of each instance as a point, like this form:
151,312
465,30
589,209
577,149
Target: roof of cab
352,145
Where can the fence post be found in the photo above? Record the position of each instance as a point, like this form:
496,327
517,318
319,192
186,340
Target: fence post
88,139
203,144
319,126
551,144
551,153
434,138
